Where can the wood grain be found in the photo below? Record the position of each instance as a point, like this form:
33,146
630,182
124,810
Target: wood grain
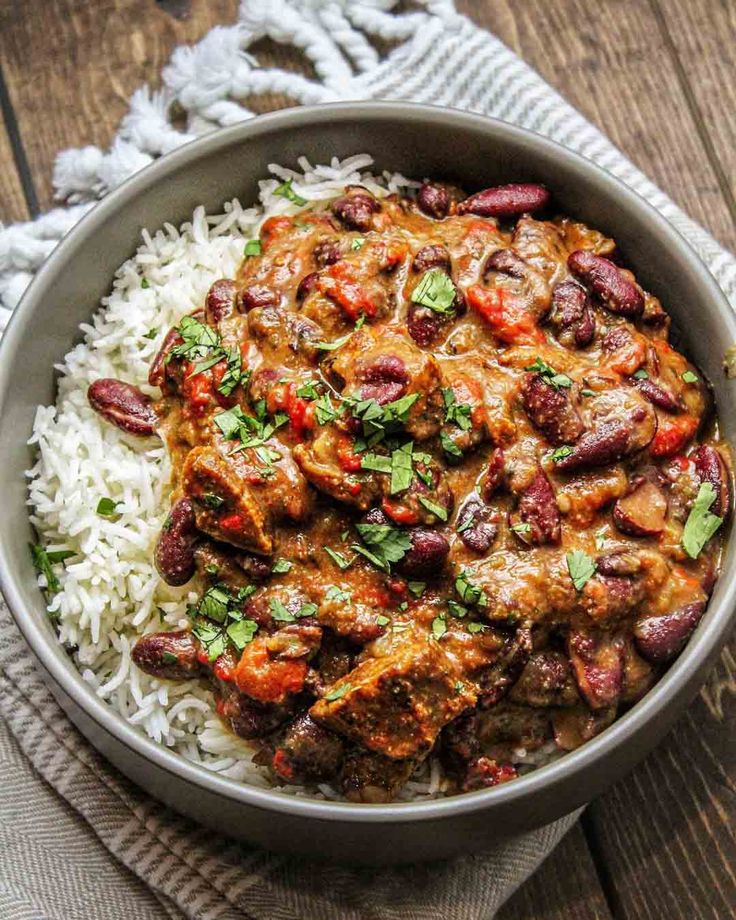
666,835
658,77
703,36
12,200
87,59
564,888
612,62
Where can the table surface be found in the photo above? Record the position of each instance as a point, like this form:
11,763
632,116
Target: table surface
659,78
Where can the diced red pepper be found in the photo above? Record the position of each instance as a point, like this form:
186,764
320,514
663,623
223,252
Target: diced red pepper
672,435
233,522
400,514
340,284
223,668
506,316
273,228
197,389
347,458
281,765
269,680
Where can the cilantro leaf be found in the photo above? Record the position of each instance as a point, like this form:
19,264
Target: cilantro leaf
401,468
339,595
106,507
252,248
279,612
308,391
469,593
281,567
455,412
552,377
690,377
234,375
214,603
559,453
435,291
387,544
439,627
242,632
286,191
43,560
450,448
433,508
357,243
337,693
338,558
198,339
324,410
701,523
640,375
581,568
376,462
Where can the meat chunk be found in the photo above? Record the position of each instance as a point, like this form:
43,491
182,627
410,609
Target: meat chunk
384,366
372,778
396,705
547,680
230,502
331,465
308,752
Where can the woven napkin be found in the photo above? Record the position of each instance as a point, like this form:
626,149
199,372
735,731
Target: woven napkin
77,840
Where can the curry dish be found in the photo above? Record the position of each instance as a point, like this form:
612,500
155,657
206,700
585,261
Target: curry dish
440,482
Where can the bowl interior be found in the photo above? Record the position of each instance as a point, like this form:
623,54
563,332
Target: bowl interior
418,141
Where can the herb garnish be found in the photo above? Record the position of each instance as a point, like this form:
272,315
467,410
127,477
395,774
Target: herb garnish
551,376
452,451
559,453
106,507
336,694
333,593
252,248
469,593
43,560
286,191
387,544
433,508
338,558
701,523
640,375
455,412
281,567
581,568
439,627
435,291
521,527
690,377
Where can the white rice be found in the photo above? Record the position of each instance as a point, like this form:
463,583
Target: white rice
110,591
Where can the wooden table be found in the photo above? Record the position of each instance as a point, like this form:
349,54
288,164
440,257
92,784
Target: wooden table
659,78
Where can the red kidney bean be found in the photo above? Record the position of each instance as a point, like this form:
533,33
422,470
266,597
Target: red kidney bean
612,439
327,252
643,512
709,467
433,200
506,200
619,563
551,410
123,405
606,280
384,380
220,301
427,555
306,286
257,295
423,324
598,666
256,568
475,524
308,752
660,639
174,555
433,256
538,508
494,474
507,262
157,373
250,719
658,396
171,655
356,209
572,314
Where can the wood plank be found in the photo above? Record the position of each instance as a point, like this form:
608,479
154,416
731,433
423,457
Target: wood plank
564,888
703,35
612,62
87,60
13,204
667,833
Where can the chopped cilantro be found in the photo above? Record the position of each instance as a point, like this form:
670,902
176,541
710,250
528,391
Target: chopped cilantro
198,340
456,610
338,558
641,375
387,544
433,508
455,412
476,627
357,243
106,507
690,377
701,523
416,587
376,462
337,693
252,248
308,391
286,191
169,658
439,627
281,567
559,453
279,612
587,392
450,448
581,568
212,637
324,410
382,620
144,283
334,593
401,469
435,291
459,686
521,527
234,375
212,500
469,593
43,560
214,603
151,334
552,377
242,632
331,346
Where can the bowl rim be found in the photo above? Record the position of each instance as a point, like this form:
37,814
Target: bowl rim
46,647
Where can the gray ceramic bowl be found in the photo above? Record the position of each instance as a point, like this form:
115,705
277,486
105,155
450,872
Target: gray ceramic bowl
419,141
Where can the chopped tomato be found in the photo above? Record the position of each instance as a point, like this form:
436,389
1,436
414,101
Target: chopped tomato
232,522
400,514
629,358
353,487
223,669
505,314
277,397
273,228
340,284
672,435
375,597
281,765
266,679
347,458
197,389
